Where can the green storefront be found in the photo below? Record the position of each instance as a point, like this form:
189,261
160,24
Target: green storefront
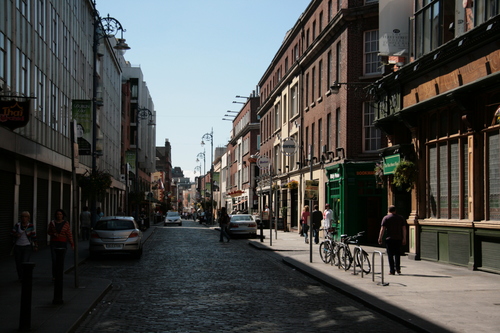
357,202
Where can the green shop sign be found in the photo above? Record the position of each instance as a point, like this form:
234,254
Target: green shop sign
390,163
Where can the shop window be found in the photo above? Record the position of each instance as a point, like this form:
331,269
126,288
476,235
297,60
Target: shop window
447,165
493,179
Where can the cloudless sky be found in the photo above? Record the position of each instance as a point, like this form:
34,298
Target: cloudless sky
196,56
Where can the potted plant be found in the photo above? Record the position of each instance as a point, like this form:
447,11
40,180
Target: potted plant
293,184
405,174
94,183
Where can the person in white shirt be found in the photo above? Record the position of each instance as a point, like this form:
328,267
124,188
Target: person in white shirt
327,218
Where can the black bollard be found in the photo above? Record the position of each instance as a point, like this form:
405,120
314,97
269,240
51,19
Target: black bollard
261,225
58,282
26,293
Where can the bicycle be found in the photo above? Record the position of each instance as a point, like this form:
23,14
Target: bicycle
328,248
360,256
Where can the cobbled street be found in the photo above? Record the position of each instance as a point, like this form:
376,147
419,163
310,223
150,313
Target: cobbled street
187,281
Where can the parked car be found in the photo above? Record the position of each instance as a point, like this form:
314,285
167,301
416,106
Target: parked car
173,218
242,224
116,234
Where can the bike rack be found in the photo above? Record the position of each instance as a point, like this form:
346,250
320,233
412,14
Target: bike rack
338,260
382,268
357,249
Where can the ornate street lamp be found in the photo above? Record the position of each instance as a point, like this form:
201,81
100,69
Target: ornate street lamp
141,113
210,136
104,27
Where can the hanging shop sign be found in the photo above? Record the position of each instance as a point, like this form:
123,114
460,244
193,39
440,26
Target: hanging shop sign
263,162
311,190
390,163
14,114
289,147
82,113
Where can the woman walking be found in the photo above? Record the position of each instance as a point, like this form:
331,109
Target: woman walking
24,242
60,234
304,219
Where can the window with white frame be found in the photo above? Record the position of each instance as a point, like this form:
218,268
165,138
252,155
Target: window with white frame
372,59
338,62
313,83
277,116
245,172
371,134
293,157
294,103
284,109
277,159
320,77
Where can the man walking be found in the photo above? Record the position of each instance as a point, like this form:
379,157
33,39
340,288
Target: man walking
316,218
85,221
327,219
394,227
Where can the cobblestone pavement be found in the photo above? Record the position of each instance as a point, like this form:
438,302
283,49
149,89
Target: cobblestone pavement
187,281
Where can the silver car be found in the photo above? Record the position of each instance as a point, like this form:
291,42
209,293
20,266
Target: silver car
173,218
116,234
242,224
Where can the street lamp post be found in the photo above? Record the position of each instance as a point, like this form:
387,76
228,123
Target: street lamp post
198,159
141,113
210,136
104,27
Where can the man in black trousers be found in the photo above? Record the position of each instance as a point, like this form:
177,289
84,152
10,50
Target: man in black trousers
316,218
394,227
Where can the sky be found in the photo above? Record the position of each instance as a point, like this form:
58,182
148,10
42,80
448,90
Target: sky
196,56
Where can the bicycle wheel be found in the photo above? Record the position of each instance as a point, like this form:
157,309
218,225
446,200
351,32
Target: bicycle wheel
325,251
345,257
335,254
362,257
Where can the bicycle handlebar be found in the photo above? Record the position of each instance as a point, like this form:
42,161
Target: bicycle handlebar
352,239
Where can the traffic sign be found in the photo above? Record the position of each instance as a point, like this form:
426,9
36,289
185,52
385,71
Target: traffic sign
263,162
289,146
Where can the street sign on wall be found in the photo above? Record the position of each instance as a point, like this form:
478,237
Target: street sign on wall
289,146
263,162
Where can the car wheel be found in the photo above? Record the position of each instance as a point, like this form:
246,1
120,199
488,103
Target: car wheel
137,254
180,224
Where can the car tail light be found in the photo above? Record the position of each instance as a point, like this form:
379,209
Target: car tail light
133,234
252,225
233,225
94,234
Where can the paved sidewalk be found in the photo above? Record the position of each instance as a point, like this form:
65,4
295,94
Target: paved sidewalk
79,298
428,296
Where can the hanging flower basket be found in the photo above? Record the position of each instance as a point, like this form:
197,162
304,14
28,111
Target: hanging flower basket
96,183
235,193
292,185
405,174
379,174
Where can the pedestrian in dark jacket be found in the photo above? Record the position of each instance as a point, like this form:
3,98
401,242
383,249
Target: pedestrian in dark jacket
223,224
394,227
316,217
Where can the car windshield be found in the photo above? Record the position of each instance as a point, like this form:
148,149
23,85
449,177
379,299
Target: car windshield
114,225
172,214
235,218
